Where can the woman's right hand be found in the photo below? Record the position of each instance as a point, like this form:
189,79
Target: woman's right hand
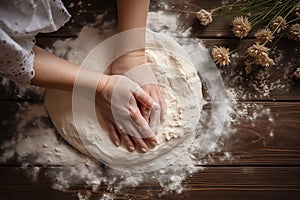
118,98
54,72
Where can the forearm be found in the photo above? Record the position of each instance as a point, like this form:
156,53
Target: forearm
132,14
56,73
52,71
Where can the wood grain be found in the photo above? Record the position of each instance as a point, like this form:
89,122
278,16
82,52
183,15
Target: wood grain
250,145
233,182
185,11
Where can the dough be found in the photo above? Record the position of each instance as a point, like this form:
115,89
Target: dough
182,91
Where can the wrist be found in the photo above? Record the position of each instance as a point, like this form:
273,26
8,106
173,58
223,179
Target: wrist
102,83
128,61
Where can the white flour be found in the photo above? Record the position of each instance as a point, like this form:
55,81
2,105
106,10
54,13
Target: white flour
37,143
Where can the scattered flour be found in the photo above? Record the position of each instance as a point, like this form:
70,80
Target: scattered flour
260,82
26,92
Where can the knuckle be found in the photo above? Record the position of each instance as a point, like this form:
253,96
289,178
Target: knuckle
146,87
134,114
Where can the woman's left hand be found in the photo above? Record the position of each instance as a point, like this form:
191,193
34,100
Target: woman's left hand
126,65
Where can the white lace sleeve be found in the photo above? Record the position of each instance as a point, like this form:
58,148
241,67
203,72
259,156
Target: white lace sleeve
16,58
20,22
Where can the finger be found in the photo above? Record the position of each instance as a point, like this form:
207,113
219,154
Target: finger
133,132
127,142
162,103
145,99
140,128
145,113
137,138
139,123
154,120
155,114
141,140
140,144
113,133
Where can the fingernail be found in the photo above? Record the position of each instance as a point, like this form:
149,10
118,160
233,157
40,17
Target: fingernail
117,143
131,148
144,150
155,106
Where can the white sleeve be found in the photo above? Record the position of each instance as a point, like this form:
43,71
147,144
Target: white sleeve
20,22
16,58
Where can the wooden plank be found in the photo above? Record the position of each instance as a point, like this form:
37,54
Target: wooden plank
256,145
282,72
250,145
79,6
233,182
218,29
50,194
83,13
77,21
285,86
86,11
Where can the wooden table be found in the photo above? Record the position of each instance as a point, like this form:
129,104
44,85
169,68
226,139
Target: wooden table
263,167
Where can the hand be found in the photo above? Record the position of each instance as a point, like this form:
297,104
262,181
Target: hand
118,97
124,66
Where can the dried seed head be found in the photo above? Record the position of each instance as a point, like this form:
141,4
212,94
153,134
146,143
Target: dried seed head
260,55
297,73
264,35
204,17
241,26
278,24
294,32
221,56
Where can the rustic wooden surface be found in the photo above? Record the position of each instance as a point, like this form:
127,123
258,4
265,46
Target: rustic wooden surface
264,166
